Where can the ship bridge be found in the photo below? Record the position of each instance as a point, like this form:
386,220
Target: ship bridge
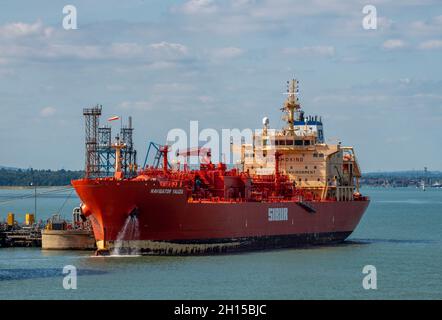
304,158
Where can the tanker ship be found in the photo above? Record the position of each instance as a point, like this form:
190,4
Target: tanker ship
289,189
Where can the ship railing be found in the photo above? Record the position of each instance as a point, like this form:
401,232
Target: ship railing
344,193
215,200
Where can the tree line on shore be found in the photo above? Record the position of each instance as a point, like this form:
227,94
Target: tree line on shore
29,177
402,178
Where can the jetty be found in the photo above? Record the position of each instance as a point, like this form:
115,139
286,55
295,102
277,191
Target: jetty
14,234
55,234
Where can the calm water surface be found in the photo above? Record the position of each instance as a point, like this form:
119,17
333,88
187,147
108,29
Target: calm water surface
401,234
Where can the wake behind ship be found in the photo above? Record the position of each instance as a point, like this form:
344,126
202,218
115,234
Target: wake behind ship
290,189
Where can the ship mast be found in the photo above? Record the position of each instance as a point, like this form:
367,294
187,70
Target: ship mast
291,106
118,145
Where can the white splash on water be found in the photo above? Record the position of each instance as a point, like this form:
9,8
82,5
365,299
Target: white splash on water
130,231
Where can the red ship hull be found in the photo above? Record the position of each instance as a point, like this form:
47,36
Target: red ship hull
168,223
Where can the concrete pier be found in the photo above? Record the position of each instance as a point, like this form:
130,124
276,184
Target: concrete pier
68,240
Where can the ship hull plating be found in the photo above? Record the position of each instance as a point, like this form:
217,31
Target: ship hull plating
168,223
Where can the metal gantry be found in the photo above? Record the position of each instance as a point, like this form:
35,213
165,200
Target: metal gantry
128,154
157,157
100,155
92,122
105,151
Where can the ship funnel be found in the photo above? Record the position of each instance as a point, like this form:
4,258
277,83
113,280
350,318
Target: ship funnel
118,146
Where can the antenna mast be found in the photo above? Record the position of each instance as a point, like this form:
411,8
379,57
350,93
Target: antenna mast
291,105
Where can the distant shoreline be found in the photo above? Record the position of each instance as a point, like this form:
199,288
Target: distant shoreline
31,187
69,186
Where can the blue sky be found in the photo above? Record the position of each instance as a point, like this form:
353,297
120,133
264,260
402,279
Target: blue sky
224,63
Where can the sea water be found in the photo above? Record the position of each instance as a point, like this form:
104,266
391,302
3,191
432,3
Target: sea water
400,235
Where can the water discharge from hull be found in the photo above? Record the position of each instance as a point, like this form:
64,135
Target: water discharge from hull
130,231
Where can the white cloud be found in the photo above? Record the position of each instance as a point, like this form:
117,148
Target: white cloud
137,105
85,52
199,7
115,88
35,41
7,72
427,96
166,51
392,44
227,53
350,99
205,99
152,53
48,112
51,51
286,8
235,24
429,27
21,30
323,51
127,49
170,47
431,44
239,4
160,65
385,23
405,80
171,88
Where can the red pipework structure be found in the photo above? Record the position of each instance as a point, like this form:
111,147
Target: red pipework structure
216,204
277,175
165,151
